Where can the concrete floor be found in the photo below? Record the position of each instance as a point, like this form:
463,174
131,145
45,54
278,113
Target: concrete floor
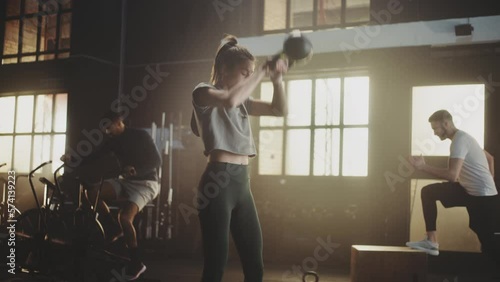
447,267
183,270
190,271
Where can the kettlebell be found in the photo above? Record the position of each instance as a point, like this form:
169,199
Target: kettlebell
310,273
296,48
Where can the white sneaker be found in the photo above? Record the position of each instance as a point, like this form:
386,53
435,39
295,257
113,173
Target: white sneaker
425,245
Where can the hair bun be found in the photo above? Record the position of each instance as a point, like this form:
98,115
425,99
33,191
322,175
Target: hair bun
229,39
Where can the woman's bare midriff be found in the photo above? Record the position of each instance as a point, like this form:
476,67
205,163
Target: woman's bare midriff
227,157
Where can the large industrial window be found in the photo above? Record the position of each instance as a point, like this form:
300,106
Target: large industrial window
313,14
32,131
325,132
464,102
36,30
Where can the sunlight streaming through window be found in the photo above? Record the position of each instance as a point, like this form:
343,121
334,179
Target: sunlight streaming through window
7,108
60,113
299,102
25,145
327,108
356,100
43,113
58,149
355,152
319,139
266,94
298,152
326,151
41,149
6,152
274,14
270,152
24,114
22,153
464,102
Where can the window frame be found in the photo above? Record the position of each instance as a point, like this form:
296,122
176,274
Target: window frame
53,133
315,26
312,127
57,52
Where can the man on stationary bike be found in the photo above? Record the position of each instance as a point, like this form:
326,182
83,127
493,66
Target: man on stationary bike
134,188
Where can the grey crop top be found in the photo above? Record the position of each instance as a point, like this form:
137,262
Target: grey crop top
222,128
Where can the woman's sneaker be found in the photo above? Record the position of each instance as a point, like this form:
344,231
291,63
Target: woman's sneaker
425,245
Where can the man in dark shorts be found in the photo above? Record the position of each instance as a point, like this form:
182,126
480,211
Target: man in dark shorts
135,187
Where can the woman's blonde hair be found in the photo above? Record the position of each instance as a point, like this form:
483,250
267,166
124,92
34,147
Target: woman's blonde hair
229,54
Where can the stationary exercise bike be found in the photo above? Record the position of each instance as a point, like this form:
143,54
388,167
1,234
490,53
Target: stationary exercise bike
55,238
41,233
4,184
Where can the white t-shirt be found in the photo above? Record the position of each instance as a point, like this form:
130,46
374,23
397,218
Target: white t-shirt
475,175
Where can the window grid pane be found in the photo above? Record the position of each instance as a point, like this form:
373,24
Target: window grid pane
357,11
337,149
9,61
31,32
65,31
48,36
60,112
58,149
6,143
41,149
11,40
356,100
266,94
274,14
329,12
270,152
355,152
301,13
30,6
30,148
24,114
22,153
46,57
28,59
7,108
63,55
327,109
326,152
298,142
43,113
299,102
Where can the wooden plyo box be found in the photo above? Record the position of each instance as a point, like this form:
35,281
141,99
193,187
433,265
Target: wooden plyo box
387,264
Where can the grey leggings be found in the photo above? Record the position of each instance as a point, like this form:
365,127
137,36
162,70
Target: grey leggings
225,204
